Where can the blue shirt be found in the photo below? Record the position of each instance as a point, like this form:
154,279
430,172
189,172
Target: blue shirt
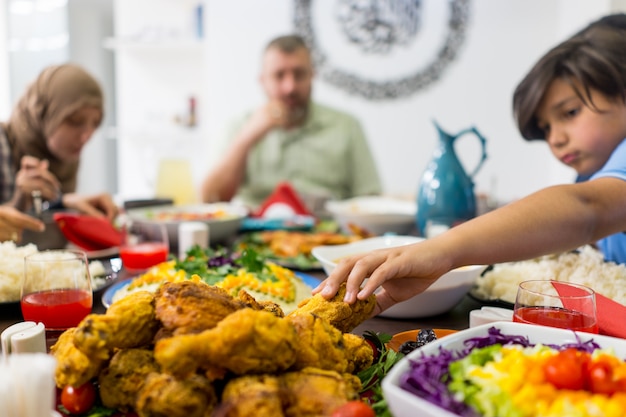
614,247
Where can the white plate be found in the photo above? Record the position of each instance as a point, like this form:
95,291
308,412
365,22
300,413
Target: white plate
405,404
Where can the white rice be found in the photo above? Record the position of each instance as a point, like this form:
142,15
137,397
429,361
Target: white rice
586,267
12,270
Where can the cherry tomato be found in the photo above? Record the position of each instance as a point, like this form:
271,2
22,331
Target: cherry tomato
566,369
600,376
78,400
354,409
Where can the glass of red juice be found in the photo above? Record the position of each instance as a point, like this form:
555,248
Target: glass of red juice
144,245
556,304
56,289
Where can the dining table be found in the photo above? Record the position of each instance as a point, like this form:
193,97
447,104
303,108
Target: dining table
455,319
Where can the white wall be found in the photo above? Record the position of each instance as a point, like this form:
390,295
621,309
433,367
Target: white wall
5,100
89,23
502,42
86,22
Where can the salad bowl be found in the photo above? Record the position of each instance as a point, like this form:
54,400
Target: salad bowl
403,403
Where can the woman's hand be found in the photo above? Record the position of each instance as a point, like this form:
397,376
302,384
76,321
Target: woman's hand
13,222
401,273
34,175
100,205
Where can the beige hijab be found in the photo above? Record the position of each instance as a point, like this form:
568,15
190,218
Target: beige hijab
58,92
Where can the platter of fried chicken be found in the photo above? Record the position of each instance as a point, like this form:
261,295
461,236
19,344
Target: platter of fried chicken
193,350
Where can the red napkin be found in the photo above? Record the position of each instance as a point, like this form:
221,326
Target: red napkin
611,314
287,198
88,232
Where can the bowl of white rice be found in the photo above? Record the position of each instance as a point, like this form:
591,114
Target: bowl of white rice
12,271
585,266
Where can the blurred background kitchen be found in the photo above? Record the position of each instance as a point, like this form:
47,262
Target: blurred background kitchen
175,72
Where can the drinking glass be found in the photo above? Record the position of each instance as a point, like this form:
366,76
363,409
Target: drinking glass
175,181
144,244
556,304
56,288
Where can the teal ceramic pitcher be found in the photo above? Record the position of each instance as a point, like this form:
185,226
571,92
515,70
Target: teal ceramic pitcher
445,196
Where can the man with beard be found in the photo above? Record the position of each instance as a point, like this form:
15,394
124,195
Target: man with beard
322,152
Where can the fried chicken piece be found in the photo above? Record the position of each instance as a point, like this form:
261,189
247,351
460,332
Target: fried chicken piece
290,244
124,377
163,395
315,392
310,392
247,341
129,322
192,307
319,344
251,395
73,366
340,314
269,306
359,353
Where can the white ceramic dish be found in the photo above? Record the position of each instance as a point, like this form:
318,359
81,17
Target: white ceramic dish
329,255
439,298
404,404
376,214
220,229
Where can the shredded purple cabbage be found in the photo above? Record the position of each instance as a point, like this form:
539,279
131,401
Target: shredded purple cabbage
428,376
494,337
220,260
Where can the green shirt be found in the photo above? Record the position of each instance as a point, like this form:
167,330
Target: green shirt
327,157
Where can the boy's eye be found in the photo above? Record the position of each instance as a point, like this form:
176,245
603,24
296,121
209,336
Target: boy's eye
75,122
569,113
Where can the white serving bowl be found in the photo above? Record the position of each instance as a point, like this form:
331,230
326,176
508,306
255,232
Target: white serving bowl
405,404
329,255
376,214
220,229
439,298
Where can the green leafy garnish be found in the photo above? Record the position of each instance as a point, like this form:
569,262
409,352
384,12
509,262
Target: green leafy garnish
255,242
96,411
371,378
252,261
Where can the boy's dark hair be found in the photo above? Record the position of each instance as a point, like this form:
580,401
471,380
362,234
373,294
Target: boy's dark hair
615,21
287,43
593,59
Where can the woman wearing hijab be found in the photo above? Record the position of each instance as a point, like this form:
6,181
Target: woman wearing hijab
41,143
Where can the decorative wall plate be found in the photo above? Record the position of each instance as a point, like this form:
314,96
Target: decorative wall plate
385,28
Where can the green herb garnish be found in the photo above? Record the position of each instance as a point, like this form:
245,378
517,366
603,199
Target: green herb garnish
371,378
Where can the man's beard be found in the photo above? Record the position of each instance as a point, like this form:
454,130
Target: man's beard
298,114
